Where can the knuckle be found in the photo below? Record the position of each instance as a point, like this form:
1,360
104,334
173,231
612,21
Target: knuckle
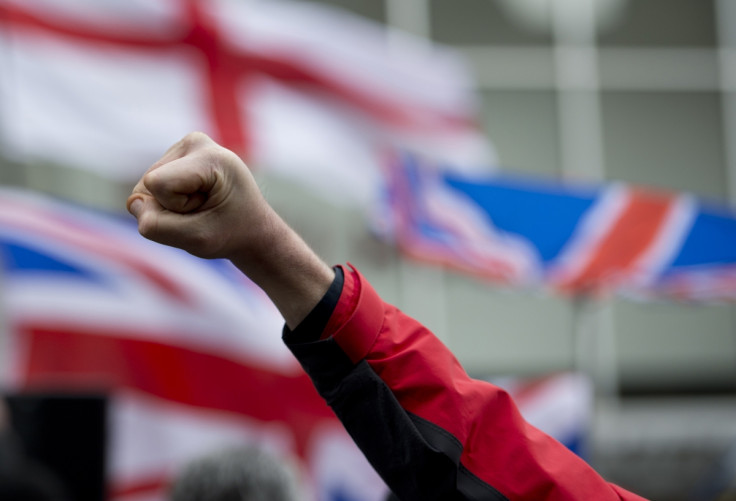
153,182
195,139
211,153
212,158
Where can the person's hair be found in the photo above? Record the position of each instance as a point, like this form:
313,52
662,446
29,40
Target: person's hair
247,473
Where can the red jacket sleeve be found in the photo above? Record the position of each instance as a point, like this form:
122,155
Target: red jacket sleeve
431,431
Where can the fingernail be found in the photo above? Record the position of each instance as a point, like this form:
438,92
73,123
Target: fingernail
135,207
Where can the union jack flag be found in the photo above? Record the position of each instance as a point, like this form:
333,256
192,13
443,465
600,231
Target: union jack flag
188,350
569,236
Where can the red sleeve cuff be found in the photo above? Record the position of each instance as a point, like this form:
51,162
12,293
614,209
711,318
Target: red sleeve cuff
358,318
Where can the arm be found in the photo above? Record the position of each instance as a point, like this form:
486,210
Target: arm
430,431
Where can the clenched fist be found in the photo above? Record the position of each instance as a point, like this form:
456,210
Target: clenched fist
202,198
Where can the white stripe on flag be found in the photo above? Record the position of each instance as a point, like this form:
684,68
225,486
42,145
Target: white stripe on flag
151,435
590,232
667,243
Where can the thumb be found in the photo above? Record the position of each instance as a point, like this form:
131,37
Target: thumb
146,210
135,205
161,225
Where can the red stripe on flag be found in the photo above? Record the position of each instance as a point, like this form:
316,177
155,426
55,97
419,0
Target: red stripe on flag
199,32
224,71
66,231
18,17
631,235
529,389
60,357
228,67
153,484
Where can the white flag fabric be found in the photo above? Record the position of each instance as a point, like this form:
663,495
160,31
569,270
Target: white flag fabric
311,92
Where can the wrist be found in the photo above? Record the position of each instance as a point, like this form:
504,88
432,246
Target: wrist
256,242
285,267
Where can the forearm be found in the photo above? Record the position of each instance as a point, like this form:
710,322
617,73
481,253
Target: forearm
287,269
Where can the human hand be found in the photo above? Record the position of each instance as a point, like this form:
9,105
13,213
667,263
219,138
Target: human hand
202,198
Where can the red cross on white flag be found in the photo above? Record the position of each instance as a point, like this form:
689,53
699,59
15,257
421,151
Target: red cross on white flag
307,91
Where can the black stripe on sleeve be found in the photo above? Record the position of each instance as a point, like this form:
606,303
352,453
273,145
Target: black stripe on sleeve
311,328
418,460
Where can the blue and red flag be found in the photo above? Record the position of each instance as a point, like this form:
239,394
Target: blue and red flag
569,236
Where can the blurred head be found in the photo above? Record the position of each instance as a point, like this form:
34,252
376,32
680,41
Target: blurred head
238,474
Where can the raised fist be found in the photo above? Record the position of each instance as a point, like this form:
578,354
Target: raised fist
202,198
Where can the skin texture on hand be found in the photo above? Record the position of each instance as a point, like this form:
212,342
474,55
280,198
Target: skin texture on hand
202,198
